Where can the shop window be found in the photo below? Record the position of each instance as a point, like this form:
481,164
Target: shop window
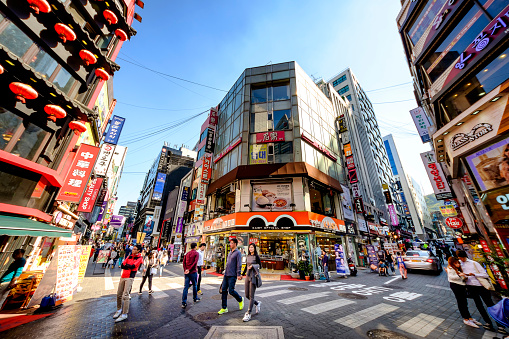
17,185
322,200
474,88
43,64
30,142
225,201
14,39
281,119
258,95
425,18
9,124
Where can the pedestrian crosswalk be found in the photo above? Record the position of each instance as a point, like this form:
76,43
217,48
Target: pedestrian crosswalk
366,315
327,306
421,325
303,297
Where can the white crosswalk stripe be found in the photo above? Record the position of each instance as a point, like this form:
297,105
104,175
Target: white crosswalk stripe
108,280
208,287
273,293
158,293
362,317
327,306
303,297
175,285
421,325
439,287
263,288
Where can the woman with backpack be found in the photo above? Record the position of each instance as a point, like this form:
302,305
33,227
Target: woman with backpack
150,265
253,264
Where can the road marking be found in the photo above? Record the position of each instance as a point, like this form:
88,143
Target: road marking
421,325
328,306
366,315
108,280
439,287
324,284
273,293
175,285
208,287
158,293
271,287
304,297
395,278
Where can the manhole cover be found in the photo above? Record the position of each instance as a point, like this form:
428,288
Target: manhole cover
352,296
218,297
206,316
396,287
385,334
297,288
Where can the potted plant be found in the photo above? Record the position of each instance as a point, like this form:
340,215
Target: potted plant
219,266
308,271
302,266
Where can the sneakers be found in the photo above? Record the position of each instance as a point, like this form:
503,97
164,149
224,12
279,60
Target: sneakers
258,307
150,292
470,323
121,318
199,292
184,305
247,317
241,304
117,314
197,300
478,323
222,311
140,293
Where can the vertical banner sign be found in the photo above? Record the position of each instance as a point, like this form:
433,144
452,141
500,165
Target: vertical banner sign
341,266
346,202
115,128
101,197
388,197
201,193
358,205
213,115
209,145
436,176
394,215
88,201
79,173
206,169
373,258
356,190
421,123
104,159
159,186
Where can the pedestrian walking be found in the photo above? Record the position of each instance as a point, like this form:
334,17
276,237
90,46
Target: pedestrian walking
440,255
401,265
457,281
231,273
150,265
201,253
129,268
8,279
251,271
390,261
325,265
121,255
163,262
190,264
475,273
96,253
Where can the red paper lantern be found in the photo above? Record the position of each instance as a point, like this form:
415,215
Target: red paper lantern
78,127
101,73
110,17
65,32
121,34
23,91
1,69
55,112
39,6
88,57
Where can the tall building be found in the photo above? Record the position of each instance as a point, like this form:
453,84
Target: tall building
421,207
372,163
129,210
457,53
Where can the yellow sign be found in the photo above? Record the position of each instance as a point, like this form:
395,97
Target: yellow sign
385,186
84,256
448,211
258,154
140,236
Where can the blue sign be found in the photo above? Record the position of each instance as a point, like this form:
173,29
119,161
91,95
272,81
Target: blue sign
115,128
341,265
159,186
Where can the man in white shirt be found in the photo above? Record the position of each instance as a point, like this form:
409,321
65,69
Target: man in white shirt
474,270
201,253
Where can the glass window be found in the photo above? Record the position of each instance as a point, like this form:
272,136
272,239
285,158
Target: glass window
281,92
474,88
29,142
425,19
15,40
200,153
203,135
339,80
17,185
496,7
63,80
258,95
281,119
43,64
437,63
322,201
343,90
283,152
259,122
349,97
104,41
9,123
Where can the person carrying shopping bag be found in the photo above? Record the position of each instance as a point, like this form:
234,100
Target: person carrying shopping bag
150,265
252,273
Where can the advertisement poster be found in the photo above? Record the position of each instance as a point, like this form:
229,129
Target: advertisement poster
149,224
84,256
490,166
67,272
22,293
115,128
362,224
373,258
436,176
448,211
103,256
258,154
421,123
303,246
346,202
159,186
272,197
394,215
498,202
341,265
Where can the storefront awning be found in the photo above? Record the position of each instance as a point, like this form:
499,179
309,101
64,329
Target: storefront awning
14,226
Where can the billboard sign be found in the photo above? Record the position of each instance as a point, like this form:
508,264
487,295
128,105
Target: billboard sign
159,186
436,176
422,123
258,154
115,128
358,205
88,201
272,197
346,203
213,116
272,136
209,144
103,161
206,172
201,193
393,215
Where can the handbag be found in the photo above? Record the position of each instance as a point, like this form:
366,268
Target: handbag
221,288
153,270
49,300
486,283
258,279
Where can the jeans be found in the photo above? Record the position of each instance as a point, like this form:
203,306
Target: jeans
123,291
145,276
326,271
250,289
478,293
228,286
199,278
460,292
191,277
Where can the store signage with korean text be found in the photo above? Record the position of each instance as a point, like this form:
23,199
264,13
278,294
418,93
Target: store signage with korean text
347,148
101,196
352,176
497,202
319,147
62,219
349,162
103,161
327,223
356,191
342,125
206,169
228,149
421,123
201,193
115,128
358,205
209,144
88,201
448,211
183,202
436,176
272,136
79,174
258,154
388,197
393,215
454,222
213,116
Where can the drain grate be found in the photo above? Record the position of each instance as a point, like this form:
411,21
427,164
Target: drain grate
352,296
385,334
297,289
206,316
219,296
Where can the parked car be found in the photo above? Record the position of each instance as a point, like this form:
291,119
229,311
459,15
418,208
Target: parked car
422,260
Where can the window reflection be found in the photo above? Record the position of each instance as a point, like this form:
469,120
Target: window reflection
425,19
281,93
258,95
283,152
274,93
281,119
43,64
9,123
63,80
322,201
15,40
29,142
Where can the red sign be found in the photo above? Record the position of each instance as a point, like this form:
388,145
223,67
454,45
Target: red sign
485,246
206,169
352,176
349,162
88,201
79,173
497,248
273,136
228,150
319,147
213,116
454,222
254,241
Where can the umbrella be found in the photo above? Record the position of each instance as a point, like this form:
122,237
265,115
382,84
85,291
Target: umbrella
500,312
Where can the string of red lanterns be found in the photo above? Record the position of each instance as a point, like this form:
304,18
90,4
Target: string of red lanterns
77,126
110,17
23,91
65,32
87,57
54,112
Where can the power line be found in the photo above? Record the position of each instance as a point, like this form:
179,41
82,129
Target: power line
380,89
161,109
390,102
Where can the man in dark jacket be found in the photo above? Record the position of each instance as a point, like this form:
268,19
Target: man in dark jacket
231,273
190,263
129,268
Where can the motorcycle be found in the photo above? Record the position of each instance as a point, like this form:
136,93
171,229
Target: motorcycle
352,267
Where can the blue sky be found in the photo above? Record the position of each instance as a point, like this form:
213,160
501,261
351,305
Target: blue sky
213,42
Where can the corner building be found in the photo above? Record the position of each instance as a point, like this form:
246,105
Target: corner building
277,170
